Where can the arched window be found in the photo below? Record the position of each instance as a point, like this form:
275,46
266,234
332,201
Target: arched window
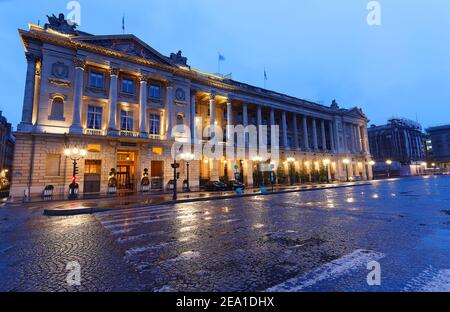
57,109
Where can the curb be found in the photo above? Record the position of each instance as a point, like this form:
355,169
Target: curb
81,211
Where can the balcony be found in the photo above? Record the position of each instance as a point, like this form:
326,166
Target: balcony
129,134
96,132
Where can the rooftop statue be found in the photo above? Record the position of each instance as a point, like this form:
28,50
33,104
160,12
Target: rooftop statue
60,24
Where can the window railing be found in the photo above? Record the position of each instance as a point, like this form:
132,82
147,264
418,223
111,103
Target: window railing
126,133
94,132
156,136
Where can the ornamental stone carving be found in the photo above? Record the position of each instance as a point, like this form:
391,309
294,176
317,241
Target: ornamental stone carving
180,94
114,71
60,70
60,24
79,63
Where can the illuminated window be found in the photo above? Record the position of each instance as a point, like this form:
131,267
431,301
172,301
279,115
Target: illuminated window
157,150
126,120
94,148
155,91
127,86
96,80
93,166
94,117
155,124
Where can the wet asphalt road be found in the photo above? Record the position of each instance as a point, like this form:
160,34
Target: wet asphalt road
308,241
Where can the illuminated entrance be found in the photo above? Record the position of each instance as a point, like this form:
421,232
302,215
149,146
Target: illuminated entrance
126,173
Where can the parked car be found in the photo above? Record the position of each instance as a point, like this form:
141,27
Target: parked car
215,186
233,185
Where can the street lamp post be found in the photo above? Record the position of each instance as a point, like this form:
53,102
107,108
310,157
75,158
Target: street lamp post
346,162
326,163
187,157
389,163
75,155
175,166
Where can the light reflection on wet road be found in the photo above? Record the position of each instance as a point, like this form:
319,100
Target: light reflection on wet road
256,243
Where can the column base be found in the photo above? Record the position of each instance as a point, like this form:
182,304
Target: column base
75,129
25,127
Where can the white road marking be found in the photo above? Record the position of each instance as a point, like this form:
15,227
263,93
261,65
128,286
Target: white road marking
430,280
336,268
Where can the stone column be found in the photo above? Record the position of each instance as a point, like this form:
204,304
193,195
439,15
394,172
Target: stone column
272,125
259,124
314,126
169,110
285,140
245,121
352,138
212,114
112,127
143,106
305,133
324,135
294,122
358,138
332,146
28,99
78,97
193,117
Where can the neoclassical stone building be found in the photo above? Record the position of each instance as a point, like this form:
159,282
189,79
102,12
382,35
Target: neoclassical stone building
119,98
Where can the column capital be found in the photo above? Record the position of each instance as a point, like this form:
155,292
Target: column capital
212,95
79,63
143,78
114,71
169,84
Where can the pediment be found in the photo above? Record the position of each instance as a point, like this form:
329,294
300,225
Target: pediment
127,44
355,111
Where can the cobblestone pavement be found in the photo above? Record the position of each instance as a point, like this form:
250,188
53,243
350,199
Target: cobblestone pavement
314,241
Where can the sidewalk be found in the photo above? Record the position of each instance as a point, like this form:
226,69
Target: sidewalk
88,206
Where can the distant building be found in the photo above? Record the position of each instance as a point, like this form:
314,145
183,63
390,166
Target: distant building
439,148
401,141
7,142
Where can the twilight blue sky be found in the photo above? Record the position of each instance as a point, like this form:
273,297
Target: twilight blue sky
313,49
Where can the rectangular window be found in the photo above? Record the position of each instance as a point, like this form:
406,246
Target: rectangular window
92,166
126,121
96,80
155,91
157,150
155,122
53,165
94,117
127,86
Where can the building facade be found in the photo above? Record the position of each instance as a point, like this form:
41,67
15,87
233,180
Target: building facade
7,142
440,146
123,101
400,141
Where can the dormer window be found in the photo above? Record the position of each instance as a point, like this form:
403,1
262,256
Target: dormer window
127,86
155,91
96,80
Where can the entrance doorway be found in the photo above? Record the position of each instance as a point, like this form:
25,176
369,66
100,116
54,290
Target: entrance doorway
92,176
126,173
157,175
